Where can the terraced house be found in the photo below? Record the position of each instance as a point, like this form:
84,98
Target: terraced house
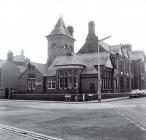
70,75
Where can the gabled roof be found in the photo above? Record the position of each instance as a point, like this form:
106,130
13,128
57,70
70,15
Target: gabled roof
91,45
60,29
116,49
104,45
2,63
22,68
135,55
41,67
87,61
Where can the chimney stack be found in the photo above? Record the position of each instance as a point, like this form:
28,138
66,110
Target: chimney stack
91,27
22,52
10,56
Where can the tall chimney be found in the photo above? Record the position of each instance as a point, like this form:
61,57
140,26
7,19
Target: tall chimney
10,56
22,52
91,27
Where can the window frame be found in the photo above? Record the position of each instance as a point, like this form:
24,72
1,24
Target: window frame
60,83
31,82
51,82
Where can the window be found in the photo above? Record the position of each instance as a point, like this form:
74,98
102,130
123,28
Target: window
65,83
65,73
0,79
68,78
75,81
121,83
61,73
69,82
75,72
127,83
51,83
60,83
70,72
31,82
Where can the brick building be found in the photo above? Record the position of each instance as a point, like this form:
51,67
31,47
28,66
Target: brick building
68,74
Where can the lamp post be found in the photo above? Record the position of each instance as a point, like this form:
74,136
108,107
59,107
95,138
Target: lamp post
99,79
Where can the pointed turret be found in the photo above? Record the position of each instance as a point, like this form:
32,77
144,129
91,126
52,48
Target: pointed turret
60,41
60,29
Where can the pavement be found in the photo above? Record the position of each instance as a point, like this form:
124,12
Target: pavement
109,99
68,102
7,135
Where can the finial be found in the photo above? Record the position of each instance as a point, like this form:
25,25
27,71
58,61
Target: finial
60,14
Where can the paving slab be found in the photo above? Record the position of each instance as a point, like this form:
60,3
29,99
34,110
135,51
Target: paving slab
7,135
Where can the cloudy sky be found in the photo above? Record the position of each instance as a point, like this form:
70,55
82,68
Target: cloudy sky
25,23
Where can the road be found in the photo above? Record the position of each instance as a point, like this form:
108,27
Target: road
116,120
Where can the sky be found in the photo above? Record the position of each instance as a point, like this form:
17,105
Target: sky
24,24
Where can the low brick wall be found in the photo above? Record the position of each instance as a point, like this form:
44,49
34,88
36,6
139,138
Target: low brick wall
49,97
61,97
2,94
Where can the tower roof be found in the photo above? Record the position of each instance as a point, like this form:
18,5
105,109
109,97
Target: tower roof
60,29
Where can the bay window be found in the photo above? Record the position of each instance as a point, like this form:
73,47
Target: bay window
68,78
60,83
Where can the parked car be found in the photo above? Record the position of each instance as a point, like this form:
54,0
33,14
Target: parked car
136,93
141,93
144,92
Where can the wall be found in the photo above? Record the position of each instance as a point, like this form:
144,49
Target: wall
85,84
39,79
58,48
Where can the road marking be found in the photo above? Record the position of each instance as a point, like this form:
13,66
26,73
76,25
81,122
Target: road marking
27,133
133,122
143,128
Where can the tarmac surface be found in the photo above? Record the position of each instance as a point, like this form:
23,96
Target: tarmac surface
112,119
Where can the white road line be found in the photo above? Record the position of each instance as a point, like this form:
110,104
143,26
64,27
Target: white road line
143,129
132,121
26,133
